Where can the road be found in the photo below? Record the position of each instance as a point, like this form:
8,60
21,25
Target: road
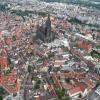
26,87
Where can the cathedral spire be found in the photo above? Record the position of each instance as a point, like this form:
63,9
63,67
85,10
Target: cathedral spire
44,31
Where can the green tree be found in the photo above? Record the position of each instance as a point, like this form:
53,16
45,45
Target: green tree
60,93
65,98
9,60
95,54
37,86
1,98
2,92
3,7
51,80
82,33
29,68
14,38
98,83
39,82
80,95
67,80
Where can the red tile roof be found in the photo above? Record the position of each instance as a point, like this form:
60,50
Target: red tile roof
74,90
56,81
3,62
38,98
77,87
67,86
10,82
78,75
9,41
84,45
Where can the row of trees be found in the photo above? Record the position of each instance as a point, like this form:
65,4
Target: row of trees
2,92
95,54
76,21
61,94
37,84
3,7
27,13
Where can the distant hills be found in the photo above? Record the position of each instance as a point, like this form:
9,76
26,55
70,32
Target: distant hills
87,3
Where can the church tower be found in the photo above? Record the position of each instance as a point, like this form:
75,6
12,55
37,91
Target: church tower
44,32
48,29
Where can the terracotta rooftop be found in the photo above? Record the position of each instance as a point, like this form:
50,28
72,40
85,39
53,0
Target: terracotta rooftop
72,74
10,82
74,90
